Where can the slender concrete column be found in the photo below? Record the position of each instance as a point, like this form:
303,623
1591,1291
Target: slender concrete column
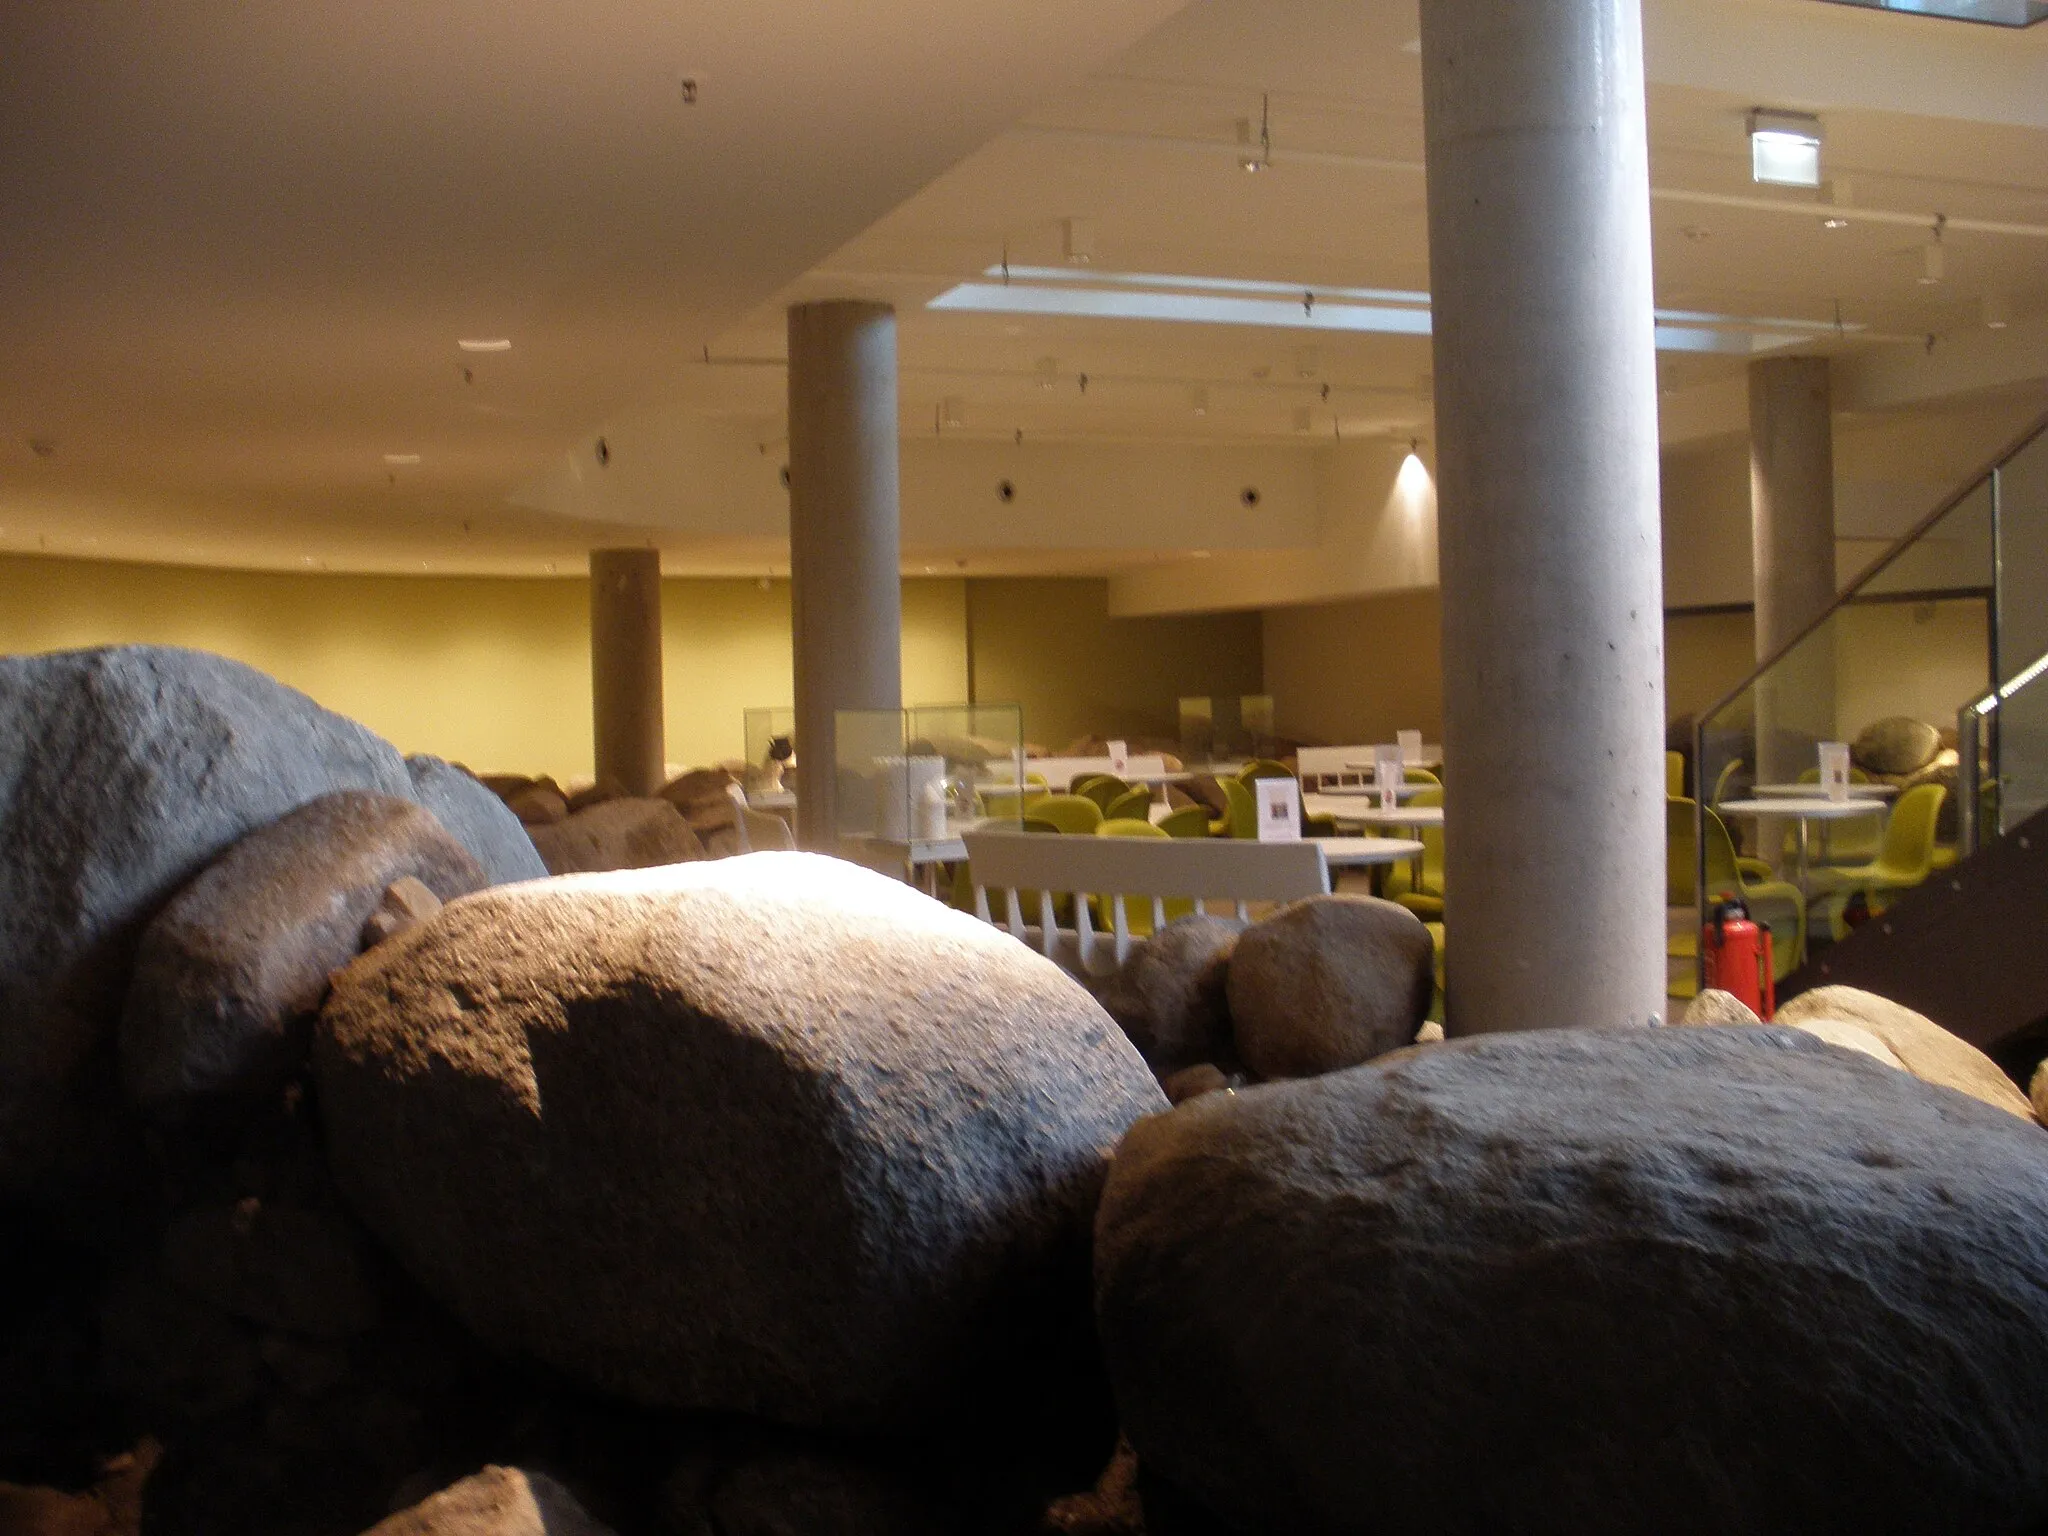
625,667
1549,533
846,601
1792,528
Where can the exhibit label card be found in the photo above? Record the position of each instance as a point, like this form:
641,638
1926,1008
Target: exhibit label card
1279,810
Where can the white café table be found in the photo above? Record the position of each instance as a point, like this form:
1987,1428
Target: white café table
1811,792
1402,791
1364,810
1805,810
1358,852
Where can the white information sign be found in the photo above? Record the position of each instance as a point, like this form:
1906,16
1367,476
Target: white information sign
1387,775
1411,746
1834,769
1279,810
1119,758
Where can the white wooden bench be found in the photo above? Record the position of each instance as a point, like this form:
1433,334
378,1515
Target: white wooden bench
1209,871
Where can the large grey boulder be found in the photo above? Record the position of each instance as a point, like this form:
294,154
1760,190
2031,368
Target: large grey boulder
1587,1282
1327,983
1894,745
617,834
123,773
498,1501
1169,997
229,975
477,819
771,1134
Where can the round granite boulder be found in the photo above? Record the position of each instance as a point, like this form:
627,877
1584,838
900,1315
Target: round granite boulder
229,975
1328,983
1169,997
1586,1282
616,834
1894,745
123,773
772,1134
1915,1042
476,818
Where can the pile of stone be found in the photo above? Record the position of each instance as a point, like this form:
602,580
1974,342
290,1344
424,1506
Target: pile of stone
1324,984
360,1179
600,827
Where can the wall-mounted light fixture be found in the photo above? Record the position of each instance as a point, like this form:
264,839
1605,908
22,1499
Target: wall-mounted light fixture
1997,311
1784,148
1256,148
1077,241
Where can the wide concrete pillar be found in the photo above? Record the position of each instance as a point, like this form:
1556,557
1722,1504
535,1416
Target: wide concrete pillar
1548,522
846,602
1792,540
625,668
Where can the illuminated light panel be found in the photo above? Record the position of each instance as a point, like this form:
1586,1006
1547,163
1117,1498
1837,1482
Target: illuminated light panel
1058,291
1997,13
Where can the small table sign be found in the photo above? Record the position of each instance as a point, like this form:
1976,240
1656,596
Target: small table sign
1834,769
1279,810
1120,758
1388,774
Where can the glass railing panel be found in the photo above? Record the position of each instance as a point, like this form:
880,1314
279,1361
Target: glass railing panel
1956,554
1997,13
2022,494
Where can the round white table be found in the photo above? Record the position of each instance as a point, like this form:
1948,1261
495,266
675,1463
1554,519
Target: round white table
1353,852
1402,791
1805,810
1812,792
1366,811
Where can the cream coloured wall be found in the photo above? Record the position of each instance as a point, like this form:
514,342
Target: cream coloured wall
494,672
1705,656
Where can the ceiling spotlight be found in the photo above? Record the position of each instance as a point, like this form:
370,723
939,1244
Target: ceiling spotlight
485,344
1997,311
1307,362
1048,373
1256,149
1077,241
1784,148
1304,419
1933,263
1834,221
398,460
953,411
1198,400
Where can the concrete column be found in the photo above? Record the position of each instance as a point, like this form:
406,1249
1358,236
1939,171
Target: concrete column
625,668
1548,521
1792,541
846,601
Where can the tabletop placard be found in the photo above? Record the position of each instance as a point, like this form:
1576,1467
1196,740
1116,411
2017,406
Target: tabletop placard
1279,810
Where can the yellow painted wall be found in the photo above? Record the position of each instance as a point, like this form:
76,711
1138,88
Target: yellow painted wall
1705,655
1051,646
1357,671
494,672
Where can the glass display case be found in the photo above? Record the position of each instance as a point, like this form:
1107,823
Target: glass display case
771,757
1226,729
912,780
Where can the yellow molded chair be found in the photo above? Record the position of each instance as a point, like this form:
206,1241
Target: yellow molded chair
1243,820
1436,940
1420,776
1724,779
1774,903
1137,909
1843,842
1904,859
1132,805
1005,803
1674,774
1264,768
1075,814
1426,898
1188,821
1105,789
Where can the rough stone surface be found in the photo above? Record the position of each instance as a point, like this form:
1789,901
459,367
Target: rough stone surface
1898,744
278,1266
826,1150
1714,1006
498,1501
797,1493
1852,1037
476,818
1431,1033
617,834
1586,1281
2038,1092
406,903
1328,983
1193,1082
229,975
1922,1046
537,805
1170,995
123,773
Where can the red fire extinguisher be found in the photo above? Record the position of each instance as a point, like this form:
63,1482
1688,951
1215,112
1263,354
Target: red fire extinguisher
1738,954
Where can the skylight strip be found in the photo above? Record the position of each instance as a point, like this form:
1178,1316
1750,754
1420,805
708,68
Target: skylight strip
1082,276
1728,336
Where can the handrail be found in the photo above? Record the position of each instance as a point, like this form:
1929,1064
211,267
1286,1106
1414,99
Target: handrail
1870,573
1969,751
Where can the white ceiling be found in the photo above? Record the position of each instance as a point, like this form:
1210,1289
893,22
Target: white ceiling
239,244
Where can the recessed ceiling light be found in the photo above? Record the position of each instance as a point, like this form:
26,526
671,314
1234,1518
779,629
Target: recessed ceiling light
485,344
1784,148
1834,221
396,459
